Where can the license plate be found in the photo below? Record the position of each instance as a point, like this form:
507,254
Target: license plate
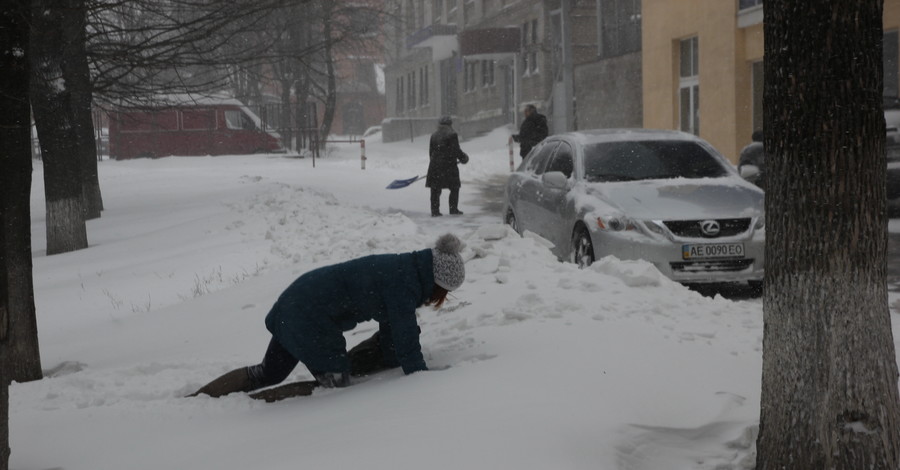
712,251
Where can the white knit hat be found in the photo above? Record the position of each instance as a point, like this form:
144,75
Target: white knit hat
449,267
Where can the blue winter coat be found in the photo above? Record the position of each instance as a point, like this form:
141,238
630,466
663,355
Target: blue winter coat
311,315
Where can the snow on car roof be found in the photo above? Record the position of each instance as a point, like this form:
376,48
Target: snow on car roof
595,136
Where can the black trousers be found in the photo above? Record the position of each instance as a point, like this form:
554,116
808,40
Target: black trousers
436,200
365,358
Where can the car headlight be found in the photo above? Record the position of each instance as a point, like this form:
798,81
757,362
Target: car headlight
615,224
760,223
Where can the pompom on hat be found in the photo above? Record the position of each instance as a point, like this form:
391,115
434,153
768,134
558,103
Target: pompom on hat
449,267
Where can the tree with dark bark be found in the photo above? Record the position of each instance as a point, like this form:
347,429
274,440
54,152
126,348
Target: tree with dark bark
53,99
19,358
829,380
78,79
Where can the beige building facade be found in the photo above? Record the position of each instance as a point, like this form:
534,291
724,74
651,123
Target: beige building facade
703,67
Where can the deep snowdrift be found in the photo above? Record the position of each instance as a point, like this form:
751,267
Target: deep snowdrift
535,364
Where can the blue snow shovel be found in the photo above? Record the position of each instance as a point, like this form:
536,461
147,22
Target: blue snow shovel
397,184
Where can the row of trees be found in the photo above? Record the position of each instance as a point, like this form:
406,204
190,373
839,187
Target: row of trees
110,52
62,57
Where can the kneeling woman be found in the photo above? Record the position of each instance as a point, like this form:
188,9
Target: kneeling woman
309,319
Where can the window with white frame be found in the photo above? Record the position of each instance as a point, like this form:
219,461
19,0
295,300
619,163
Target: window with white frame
487,73
689,85
748,4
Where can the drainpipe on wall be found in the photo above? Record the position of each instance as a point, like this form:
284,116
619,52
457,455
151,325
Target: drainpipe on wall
568,64
516,90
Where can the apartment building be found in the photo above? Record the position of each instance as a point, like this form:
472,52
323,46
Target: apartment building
703,67
482,61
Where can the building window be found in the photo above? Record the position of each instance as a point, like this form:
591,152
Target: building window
487,73
469,75
891,54
689,86
411,90
437,10
409,19
618,27
423,86
420,14
758,71
747,4
451,11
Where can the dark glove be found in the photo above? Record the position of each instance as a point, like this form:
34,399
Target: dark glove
463,158
515,138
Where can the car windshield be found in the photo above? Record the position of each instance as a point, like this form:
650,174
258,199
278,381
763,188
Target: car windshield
649,159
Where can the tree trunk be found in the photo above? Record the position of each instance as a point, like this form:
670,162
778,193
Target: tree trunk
286,129
53,106
829,380
331,93
19,359
78,79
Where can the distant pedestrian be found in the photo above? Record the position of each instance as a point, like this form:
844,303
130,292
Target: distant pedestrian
444,155
532,131
752,164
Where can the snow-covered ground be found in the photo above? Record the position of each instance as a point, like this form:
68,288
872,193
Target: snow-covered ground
535,364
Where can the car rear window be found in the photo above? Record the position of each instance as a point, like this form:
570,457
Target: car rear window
649,159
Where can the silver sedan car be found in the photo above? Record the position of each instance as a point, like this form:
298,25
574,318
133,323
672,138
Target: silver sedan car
662,196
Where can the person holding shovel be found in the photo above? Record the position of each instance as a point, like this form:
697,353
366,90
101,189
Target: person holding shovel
443,173
310,317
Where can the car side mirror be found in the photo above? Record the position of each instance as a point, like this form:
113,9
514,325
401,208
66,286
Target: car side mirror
555,180
749,172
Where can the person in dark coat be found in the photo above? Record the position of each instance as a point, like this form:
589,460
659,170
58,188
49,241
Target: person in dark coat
444,154
754,155
310,317
532,131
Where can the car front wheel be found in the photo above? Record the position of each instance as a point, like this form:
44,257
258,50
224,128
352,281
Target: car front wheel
511,221
582,248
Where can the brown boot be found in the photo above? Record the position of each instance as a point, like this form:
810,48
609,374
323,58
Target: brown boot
237,380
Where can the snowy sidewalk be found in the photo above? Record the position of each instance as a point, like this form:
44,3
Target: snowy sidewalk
542,365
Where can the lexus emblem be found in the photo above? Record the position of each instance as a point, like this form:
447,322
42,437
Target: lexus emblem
710,228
